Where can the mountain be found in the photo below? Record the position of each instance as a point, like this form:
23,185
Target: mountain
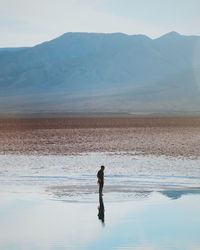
94,72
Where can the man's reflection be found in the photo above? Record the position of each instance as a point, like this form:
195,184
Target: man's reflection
101,209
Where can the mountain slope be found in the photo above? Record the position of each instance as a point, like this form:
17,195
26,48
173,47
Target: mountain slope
90,72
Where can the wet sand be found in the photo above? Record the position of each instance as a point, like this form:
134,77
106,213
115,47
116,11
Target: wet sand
63,136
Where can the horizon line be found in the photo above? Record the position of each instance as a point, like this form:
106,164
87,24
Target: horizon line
106,33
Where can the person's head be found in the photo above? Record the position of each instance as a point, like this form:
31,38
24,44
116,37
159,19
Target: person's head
102,167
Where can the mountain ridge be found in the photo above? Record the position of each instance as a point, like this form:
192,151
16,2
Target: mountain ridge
97,72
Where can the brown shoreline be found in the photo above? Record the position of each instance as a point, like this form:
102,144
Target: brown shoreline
176,136
96,122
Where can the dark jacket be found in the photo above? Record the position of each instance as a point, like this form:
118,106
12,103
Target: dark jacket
100,175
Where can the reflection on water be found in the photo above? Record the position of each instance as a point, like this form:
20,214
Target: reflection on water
120,193
176,194
157,222
88,193
101,210
137,217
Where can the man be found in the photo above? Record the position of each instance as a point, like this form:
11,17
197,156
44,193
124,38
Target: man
100,177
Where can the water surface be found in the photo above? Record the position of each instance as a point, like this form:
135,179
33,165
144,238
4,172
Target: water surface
51,202
156,222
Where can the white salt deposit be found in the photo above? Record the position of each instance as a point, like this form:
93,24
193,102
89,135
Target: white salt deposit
75,175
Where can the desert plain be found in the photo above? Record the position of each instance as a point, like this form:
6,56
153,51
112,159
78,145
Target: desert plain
170,136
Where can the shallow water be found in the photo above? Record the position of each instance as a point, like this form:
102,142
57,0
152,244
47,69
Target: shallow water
73,178
157,222
51,202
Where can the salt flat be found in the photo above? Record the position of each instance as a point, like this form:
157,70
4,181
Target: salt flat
64,136
73,177
49,194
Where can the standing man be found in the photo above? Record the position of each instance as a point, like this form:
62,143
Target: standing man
100,177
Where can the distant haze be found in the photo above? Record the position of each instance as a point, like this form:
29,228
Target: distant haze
28,22
96,72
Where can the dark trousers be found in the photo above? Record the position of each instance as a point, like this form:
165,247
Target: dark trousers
101,187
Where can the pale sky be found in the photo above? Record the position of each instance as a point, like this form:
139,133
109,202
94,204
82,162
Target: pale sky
29,22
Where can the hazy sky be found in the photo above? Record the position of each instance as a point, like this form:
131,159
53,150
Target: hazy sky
29,22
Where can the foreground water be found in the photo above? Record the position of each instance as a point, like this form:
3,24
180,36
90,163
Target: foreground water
155,222
51,202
